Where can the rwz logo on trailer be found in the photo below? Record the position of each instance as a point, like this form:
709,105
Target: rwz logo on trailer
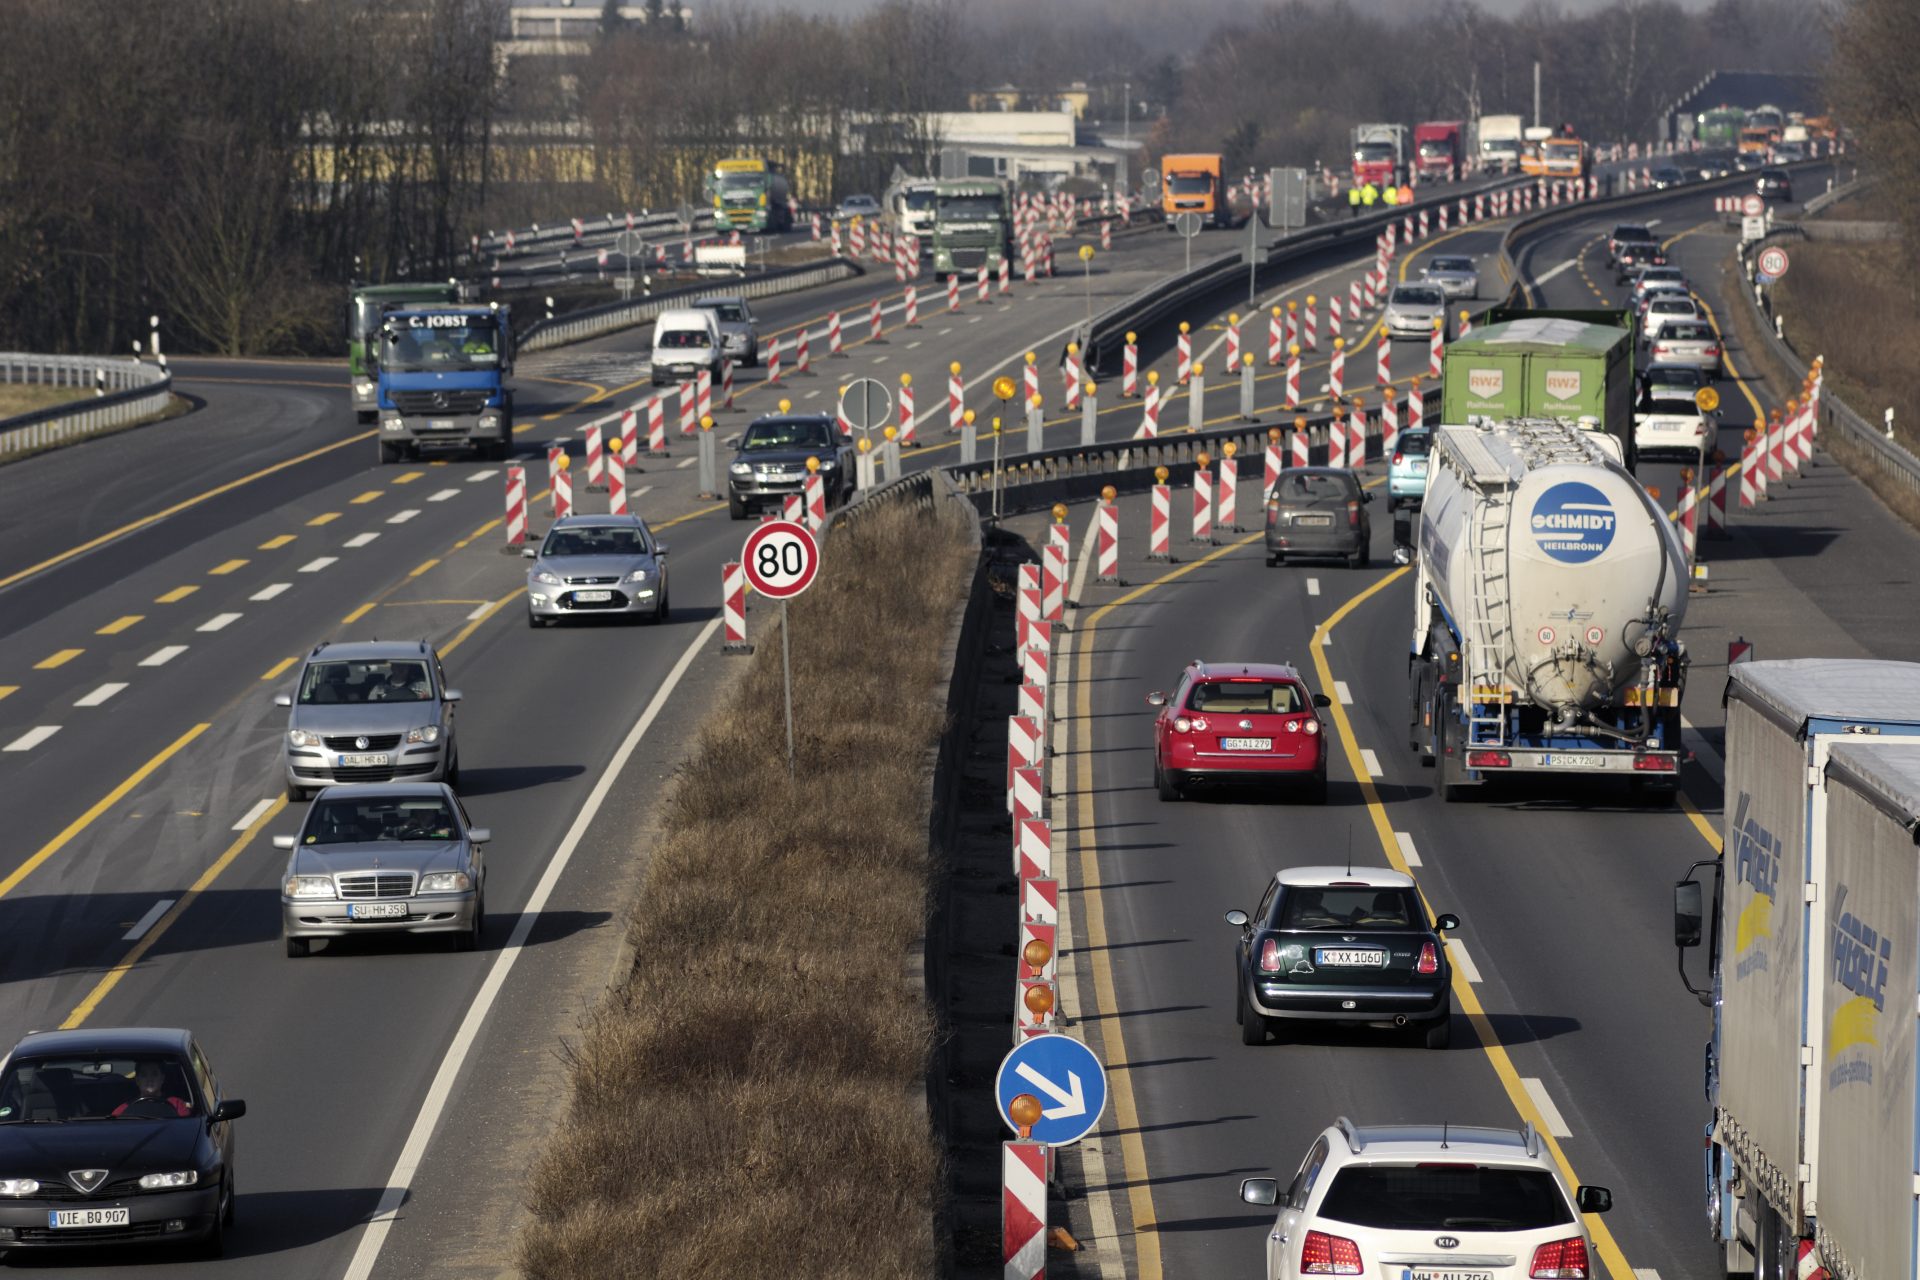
1573,522
1756,863
1858,957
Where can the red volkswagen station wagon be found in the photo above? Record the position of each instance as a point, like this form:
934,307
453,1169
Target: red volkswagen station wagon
1239,723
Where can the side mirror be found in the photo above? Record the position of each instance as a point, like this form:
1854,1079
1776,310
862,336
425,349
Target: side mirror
661,548
233,1109
285,842
529,553
1447,922
1593,1199
1366,495
1403,554
1689,913
1263,1190
1237,918
451,695
282,699
1156,699
479,835
1322,700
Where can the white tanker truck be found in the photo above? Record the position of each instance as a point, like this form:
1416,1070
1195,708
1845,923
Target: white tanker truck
1547,613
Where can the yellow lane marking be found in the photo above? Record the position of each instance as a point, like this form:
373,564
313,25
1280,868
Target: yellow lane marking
176,595
599,393
60,659
408,477
369,496
493,609
274,544
120,624
423,568
279,668
357,614
111,978
99,807
325,517
6,689
1463,993
222,570
1701,823
401,604
1126,1112
135,525
1670,241
1759,414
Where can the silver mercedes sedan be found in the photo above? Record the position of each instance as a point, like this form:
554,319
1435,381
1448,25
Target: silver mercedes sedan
597,565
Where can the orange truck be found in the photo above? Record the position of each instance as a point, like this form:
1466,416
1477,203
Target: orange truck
1194,184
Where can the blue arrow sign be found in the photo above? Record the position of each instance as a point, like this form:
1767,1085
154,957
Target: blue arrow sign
1067,1079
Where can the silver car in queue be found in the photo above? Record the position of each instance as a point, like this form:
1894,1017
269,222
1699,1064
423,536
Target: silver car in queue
739,328
369,711
394,859
1456,276
1413,309
605,566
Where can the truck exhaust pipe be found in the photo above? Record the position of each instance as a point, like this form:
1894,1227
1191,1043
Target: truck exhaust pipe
1399,1019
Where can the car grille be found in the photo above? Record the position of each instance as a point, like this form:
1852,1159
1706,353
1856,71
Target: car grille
592,582
65,1194
962,256
76,1235
469,401
373,742
619,601
381,773
358,886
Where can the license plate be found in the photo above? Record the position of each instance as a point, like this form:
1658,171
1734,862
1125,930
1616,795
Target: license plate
1419,468
365,762
1246,744
1416,1273
1562,760
588,597
377,910
87,1217
1337,958
1314,520
440,424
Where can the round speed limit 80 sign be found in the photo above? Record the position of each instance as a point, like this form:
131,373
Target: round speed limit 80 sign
780,559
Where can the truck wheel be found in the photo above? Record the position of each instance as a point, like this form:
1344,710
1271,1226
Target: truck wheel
389,453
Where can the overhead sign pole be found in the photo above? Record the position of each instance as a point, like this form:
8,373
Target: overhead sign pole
781,558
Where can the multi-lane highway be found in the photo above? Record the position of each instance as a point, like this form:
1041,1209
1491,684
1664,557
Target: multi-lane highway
1568,1011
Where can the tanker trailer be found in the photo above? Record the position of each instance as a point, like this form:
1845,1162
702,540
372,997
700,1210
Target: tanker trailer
1547,612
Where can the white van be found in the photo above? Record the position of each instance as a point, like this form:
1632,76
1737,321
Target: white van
684,343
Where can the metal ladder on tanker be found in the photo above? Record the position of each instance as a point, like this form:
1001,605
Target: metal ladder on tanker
1487,629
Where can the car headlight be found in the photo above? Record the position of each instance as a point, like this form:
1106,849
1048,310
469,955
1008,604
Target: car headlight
546,578
301,738
828,464
740,469
363,388
425,733
164,1181
446,882
308,887
639,575
18,1186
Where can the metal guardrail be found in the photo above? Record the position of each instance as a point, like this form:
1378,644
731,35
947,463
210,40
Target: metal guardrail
127,391
578,326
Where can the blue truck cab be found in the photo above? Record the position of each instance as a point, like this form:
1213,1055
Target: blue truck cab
443,373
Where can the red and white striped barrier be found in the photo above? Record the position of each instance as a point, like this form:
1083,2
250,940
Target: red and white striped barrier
1032,705
689,397
836,345
1337,442
1353,299
1183,356
630,432
1293,377
1024,750
1276,338
1070,373
814,490
1160,524
1717,502
1150,409
1107,543
802,355
596,460
1383,366
906,438
1753,475
733,608
1006,276
1229,491
1037,657
1233,340
1275,463
792,510
1130,368
841,420
1053,583
1202,506
1466,323
953,293
703,385
516,506
773,363
1030,380
956,398
1357,437
1301,443
616,482
656,426
1027,602
1687,518
1293,324
912,320
1776,472
1436,345
1423,224
985,289
1416,406
1106,235
726,385
833,237
814,220
1023,1211
562,489
1310,331
1337,369
1033,849
1389,423
1334,321
874,318
1371,282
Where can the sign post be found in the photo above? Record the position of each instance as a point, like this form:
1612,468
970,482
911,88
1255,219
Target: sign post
1188,225
781,558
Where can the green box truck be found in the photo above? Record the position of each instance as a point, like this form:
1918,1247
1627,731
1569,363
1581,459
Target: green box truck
368,303
972,225
1544,364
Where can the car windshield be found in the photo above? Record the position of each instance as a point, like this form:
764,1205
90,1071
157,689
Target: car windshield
1682,376
366,820
591,540
1413,296
418,343
1631,231
98,1086
1416,444
1445,1195
1305,486
349,682
786,435
1374,152
1452,264
1436,150
728,312
1659,275
917,201
1361,907
1190,184
1247,695
683,339
968,208
735,181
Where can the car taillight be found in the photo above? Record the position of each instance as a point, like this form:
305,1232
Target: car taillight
1353,515
1560,1260
1488,760
1313,726
1429,961
1662,348
1654,764
1270,955
1199,724
1325,1255
1293,726
1711,351
1397,456
1181,724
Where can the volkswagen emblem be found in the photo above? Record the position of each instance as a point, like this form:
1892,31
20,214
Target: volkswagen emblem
361,743
1446,1242
1246,724
85,1181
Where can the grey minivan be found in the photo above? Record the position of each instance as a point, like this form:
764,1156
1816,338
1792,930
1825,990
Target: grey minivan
369,711
1319,512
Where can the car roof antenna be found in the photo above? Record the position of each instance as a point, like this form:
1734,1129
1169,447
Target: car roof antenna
1443,1135
1349,849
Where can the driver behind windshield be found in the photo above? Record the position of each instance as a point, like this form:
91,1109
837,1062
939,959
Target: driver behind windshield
153,1101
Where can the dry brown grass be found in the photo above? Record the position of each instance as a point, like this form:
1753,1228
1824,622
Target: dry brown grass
26,397
1851,304
749,1100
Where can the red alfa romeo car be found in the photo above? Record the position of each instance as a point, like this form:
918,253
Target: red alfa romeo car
1245,723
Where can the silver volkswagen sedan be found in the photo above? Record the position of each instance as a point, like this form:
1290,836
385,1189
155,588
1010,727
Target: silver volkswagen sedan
1412,310
384,859
608,565
1457,277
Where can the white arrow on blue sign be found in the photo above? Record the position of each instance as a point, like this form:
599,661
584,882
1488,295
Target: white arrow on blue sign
1067,1079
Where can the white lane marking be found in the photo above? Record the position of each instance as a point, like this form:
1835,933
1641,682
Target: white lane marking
361,539
1556,271
315,566
444,494
812,395
1313,586
480,612
270,591
642,491
481,475
100,695
975,319
252,815
1548,1112
148,920
1457,953
162,656
944,332
1651,222
1645,1273
32,738
401,517
1370,762
440,1091
1407,850
912,345
1341,692
218,622
684,463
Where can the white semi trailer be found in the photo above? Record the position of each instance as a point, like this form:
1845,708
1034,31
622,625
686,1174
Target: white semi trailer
1547,614
1814,923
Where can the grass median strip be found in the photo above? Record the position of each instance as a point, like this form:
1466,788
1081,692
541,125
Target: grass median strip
759,1074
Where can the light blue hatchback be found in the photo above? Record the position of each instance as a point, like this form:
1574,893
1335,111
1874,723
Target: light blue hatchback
1407,472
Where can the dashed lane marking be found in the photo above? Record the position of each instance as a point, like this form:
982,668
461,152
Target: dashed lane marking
162,656
1313,586
60,659
7,689
32,738
1341,692
316,565
480,612
1370,762
99,695
371,495
148,920
357,614
275,543
269,591
252,815
1407,850
1542,279
478,476
325,517
218,622
120,624
684,463
361,539
401,517
1556,1124
176,595
222,570
1457,953
279,668
408,477
444,494
423,567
